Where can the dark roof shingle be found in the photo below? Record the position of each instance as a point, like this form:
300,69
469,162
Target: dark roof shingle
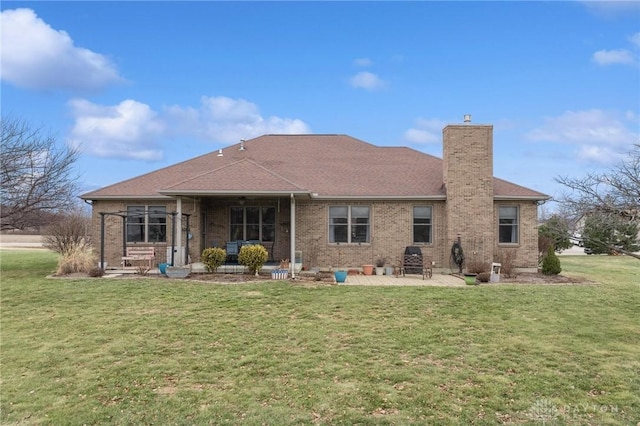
322,165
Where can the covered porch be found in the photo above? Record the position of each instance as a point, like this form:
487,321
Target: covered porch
230,221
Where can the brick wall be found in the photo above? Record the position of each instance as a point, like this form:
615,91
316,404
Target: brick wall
391,231
468,178
526,250
471,212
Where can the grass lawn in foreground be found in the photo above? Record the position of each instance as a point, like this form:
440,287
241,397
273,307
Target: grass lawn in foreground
143,351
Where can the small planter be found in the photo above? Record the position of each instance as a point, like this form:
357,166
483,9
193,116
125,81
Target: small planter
470,279
340,276
388,270
379,270
162,267
367,269
178,272
279,274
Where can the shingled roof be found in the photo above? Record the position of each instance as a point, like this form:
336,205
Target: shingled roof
322,166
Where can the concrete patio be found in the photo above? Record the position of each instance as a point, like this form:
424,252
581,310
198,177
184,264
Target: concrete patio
438,280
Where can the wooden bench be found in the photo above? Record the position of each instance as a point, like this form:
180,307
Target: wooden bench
137,254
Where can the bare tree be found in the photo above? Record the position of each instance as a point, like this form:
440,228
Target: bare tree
612,196
68,233
36,175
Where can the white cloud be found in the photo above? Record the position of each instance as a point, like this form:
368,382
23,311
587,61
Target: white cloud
615,56
363,62
367,80
425,131
223,119
36,56
132,130
601,136
612,9
635,39
599,154
129,130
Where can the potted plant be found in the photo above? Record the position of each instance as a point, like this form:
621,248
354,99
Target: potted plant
339,273
388,270
282,273
367,269
178,271
380,265
470,279
475,267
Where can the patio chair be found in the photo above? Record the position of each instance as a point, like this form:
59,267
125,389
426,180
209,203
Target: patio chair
232,251
412,262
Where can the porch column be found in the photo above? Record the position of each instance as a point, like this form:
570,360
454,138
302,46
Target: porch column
179,260
293,237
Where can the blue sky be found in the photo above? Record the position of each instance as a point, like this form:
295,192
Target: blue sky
142,85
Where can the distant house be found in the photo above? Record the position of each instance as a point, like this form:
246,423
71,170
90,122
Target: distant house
333,199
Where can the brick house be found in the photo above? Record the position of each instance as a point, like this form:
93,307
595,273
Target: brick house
337,200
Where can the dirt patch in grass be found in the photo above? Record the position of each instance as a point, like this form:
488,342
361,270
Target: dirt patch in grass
537,278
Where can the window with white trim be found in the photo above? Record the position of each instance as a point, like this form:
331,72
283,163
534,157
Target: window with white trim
349,224
422,224
253,223
146,224
508,224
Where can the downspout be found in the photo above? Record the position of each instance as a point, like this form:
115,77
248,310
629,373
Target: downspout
179,234
173,238
186,243
102,241
293,237
124,218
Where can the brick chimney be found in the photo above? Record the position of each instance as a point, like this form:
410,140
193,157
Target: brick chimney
468,178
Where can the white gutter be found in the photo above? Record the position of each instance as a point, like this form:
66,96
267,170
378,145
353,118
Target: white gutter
229,192
315,196
520,198
126,197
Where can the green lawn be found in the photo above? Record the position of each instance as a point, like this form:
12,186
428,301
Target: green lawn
151,351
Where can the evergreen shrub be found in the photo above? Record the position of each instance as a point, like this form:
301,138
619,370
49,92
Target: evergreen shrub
253,257
551,263
213,258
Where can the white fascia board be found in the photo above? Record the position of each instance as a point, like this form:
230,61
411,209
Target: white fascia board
379,197
205,193
125,197
521,198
